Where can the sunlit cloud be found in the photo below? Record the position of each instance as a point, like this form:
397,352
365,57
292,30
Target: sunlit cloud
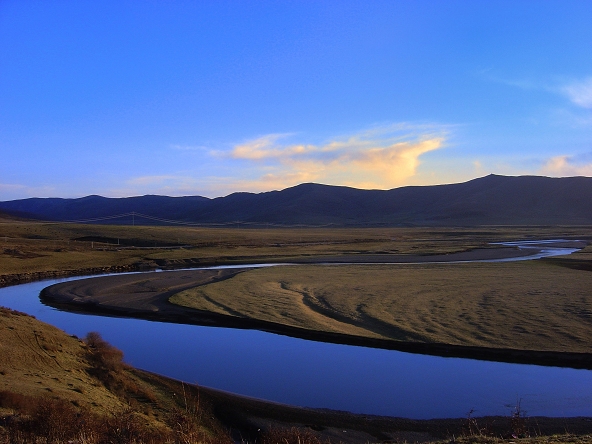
11,187
266,147
561,166
365,160
381,157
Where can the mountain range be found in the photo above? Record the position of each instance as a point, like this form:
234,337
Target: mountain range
490,200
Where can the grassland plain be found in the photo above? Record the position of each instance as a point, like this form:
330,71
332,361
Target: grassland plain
531,305
37,248
39,363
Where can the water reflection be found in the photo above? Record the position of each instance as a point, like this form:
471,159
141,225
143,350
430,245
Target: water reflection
313,374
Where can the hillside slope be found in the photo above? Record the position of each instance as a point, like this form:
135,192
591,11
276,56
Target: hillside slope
55,388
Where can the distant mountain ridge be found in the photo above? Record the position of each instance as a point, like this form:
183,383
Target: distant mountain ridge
490,200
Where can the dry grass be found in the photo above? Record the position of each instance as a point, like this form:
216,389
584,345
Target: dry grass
525,305
146,408
57,388
27,247
48,378
37,359
552,439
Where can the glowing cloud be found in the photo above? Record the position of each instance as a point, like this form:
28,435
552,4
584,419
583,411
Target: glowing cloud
565,166
266,147
380,158
366,160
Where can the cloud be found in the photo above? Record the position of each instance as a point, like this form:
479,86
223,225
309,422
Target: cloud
566,166
373,159
266,147
10,191
380,157
580,93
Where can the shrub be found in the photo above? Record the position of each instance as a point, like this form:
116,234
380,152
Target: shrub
56,420
103,354
292,435
16,401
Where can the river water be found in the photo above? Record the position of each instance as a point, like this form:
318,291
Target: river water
314,374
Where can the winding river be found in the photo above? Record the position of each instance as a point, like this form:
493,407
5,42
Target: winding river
314,374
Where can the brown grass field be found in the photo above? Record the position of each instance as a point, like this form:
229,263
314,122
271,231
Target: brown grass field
30,247
532,305
49,379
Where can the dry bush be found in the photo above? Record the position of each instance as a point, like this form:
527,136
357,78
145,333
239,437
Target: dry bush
16,401
56,420
185,423
108,367
127,426
518,422
292,435
44,419
193,420
472,428
49,421
185,428
103,354
7,312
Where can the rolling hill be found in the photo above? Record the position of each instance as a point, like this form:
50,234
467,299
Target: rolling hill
490,200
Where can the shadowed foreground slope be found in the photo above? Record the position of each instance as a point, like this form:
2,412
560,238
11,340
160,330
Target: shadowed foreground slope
55,388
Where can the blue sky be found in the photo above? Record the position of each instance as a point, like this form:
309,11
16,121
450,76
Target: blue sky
123,98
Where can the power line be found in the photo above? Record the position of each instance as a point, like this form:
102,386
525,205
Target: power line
134,214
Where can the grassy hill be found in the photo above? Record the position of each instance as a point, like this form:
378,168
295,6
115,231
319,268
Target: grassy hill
56,388
63,389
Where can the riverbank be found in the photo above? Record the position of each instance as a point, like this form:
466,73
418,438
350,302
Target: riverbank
41,365
148,296
157,308
172,264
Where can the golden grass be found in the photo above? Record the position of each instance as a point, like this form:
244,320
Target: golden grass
523,305
38,359
41,366
27,247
